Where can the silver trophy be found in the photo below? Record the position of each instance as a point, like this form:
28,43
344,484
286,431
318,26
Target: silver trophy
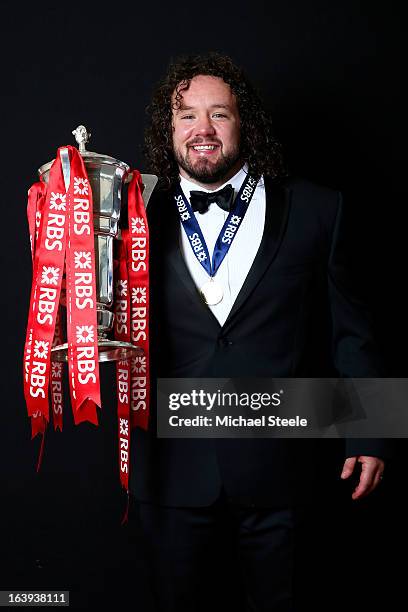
107,177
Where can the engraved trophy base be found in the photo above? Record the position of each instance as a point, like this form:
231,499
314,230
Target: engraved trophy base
109,350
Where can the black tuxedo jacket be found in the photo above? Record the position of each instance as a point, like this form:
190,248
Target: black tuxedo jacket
295,316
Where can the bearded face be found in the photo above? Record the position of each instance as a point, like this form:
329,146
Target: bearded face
206,131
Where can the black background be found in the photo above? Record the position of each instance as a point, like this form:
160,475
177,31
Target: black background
330,73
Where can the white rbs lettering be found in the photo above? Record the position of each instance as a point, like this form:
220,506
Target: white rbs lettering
121,317
196,243
37,379
83,290
184,214
139,393
246,194
46,305
124,455
55,232
123,385
56,396
82,216
86,365
138,323
229,233
138,254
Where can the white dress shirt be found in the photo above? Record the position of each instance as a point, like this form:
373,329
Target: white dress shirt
236,264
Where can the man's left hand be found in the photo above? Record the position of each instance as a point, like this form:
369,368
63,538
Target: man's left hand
371,474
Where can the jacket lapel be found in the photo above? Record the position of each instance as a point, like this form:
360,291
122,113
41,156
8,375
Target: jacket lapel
277,209
175,258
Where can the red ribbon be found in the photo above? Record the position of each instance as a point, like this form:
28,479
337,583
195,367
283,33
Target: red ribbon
66,218
57,397
122,333
83,366
48,263
132,325
137,240
35,206
60,222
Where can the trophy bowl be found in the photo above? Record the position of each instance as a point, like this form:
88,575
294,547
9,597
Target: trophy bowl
107,177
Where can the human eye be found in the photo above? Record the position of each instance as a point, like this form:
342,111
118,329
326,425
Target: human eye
187,117
219,116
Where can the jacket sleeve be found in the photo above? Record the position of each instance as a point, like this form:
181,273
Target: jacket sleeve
355,353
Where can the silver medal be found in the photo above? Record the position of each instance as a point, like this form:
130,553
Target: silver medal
212,292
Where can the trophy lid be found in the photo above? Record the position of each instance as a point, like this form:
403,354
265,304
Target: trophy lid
82,136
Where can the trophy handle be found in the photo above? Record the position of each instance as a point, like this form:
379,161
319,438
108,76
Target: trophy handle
149,183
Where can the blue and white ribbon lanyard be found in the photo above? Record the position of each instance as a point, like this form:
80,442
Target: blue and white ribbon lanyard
212,291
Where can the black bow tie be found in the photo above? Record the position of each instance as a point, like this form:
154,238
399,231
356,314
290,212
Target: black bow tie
200,200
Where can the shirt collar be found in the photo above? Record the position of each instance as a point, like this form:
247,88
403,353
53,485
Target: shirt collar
236,182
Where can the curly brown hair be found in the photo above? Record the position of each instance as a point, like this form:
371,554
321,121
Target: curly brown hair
258,147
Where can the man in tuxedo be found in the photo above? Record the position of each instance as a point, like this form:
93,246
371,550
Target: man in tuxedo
257,309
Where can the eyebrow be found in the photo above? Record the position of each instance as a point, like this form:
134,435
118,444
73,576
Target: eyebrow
186,108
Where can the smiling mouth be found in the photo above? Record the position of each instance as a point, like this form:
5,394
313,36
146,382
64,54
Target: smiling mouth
200,148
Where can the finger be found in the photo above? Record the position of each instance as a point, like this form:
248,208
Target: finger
348,467
362,491
366,482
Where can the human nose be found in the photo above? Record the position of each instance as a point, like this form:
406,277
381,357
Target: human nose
204,126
